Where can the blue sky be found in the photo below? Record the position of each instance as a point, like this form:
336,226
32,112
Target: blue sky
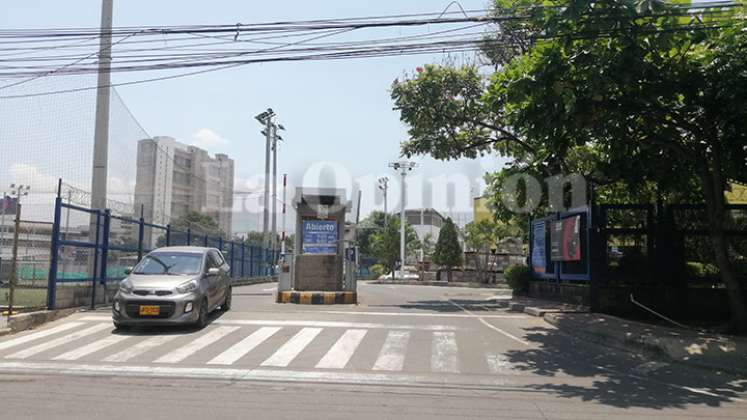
336,111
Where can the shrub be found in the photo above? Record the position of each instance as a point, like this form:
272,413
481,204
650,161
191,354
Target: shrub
700,270
518,278
378,270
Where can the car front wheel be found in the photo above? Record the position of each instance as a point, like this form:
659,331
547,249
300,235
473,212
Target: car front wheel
226,306
202,318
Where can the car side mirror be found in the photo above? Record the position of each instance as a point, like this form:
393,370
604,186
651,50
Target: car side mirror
128,270
213,271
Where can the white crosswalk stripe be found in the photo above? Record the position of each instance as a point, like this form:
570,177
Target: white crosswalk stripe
498,364
26,353
196,345
444,352
91,348
339,355
37,335
244,346
139,348
288,351
76,341
392,355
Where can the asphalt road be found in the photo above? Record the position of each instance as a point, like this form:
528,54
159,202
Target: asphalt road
403,352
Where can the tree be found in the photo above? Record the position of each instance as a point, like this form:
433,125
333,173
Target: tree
199,225
650,100
427,245
367,227
448,252
385,243
480,237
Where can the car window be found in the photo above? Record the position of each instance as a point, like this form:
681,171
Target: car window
173,263
214,259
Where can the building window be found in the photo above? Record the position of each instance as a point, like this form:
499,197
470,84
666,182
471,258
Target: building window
182,178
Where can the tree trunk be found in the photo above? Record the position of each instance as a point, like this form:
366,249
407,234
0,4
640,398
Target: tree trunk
713,187
448,274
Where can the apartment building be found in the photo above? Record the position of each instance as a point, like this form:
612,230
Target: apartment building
175,178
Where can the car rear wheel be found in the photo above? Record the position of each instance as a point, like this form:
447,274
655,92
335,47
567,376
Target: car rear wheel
202,319
226,306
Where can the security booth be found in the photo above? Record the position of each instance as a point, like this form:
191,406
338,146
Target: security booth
319,259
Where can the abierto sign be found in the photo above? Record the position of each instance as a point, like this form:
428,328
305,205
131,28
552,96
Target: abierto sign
319,237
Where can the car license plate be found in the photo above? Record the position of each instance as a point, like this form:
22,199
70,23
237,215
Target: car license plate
147,310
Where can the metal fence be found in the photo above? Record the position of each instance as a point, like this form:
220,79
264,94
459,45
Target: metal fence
87,257
32,264
639,245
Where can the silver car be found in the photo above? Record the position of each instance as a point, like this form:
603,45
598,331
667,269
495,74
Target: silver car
173,285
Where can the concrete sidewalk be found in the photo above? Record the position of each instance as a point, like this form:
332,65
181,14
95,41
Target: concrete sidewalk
712,351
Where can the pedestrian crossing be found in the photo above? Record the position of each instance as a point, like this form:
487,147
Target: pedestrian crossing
256,345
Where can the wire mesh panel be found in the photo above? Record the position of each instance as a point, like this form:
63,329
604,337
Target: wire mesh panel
32,264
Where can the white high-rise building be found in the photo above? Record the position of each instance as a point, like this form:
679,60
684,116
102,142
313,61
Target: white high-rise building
174,178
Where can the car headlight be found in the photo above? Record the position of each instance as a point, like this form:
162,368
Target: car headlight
187,287
125,286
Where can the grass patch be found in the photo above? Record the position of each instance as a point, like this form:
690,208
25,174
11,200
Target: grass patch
24,297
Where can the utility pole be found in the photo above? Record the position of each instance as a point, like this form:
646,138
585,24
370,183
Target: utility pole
2,227
404,167
265,119
285,199
101,132
275,139
19,192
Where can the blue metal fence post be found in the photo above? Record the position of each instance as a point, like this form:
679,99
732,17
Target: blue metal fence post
251,261
168,235
140,235
205,241
94,275
105,246
231,266
55,249
220,244
243,248
189,237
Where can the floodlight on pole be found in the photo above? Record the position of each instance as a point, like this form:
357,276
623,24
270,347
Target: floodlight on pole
384,186
403,167
265,118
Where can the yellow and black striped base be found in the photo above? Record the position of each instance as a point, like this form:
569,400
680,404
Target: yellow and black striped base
318,298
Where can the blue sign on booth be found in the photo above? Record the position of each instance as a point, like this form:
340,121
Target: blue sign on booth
320,237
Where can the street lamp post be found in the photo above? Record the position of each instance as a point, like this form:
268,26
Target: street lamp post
403,167
18,191
384,186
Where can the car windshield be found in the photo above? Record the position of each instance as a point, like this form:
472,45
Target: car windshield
173,263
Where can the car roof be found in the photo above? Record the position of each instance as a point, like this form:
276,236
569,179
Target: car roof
192,249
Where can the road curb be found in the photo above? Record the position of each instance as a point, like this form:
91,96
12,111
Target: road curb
258,280
725,354
29,320
318,298
473,285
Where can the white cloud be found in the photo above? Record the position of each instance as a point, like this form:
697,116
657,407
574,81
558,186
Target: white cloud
26,174
207,138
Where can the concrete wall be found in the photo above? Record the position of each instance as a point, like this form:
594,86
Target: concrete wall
76,296
318,273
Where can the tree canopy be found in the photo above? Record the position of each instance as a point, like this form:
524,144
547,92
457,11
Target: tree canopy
645,99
